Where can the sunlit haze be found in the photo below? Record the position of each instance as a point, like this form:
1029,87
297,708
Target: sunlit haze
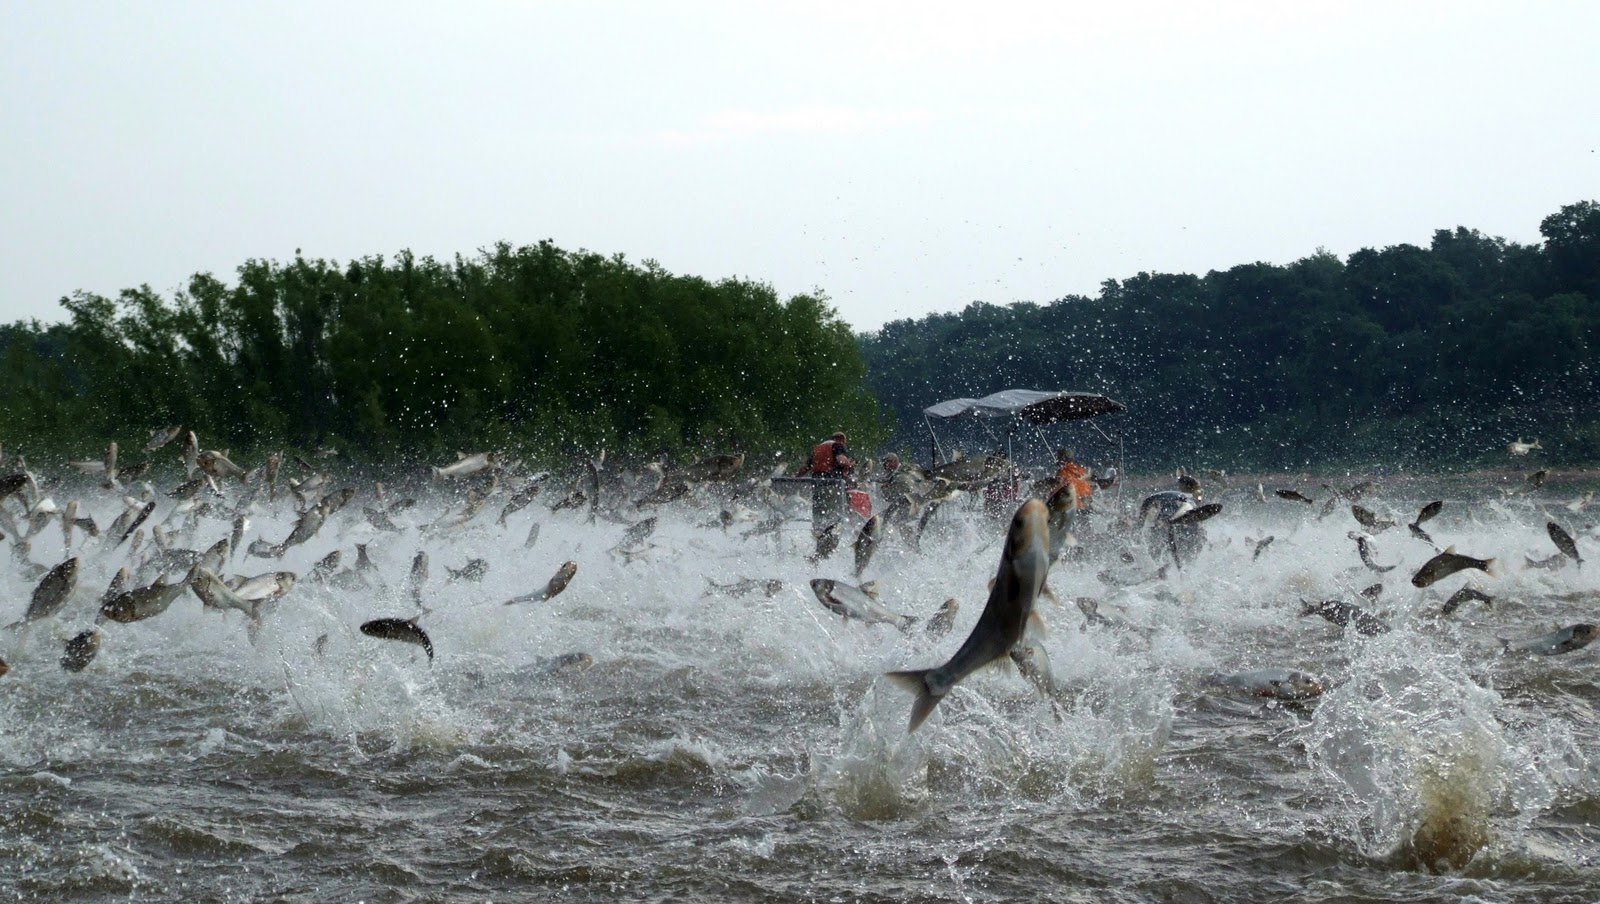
901,158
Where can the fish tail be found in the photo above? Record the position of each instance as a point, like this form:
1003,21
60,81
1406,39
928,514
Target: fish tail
1488,567
906,621
917,680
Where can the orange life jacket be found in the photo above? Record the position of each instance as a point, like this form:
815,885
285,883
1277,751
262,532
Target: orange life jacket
1077,475
822,459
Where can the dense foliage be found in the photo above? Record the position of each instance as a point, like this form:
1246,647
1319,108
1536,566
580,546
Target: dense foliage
533,349
1397,357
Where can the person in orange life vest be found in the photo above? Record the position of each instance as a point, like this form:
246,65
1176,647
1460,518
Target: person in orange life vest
1069,471
829,459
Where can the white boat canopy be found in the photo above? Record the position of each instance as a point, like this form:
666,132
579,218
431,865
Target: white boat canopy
1032,405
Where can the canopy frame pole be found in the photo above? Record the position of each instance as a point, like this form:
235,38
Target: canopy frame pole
938,453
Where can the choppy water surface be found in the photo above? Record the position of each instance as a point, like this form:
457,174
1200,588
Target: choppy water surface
746,748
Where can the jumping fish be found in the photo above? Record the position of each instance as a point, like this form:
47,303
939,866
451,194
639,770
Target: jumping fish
1344,615
860,603
159,438
1566,640
1447,563
558,583
52,593
941,622
1024,564
81,650
1465,595
145,602
473,571
405,630
1563,541
1370,521
1365,551
466,464
867,542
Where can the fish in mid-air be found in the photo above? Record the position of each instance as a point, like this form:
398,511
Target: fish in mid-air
558,583
404,630
1519,447
1447,563
1563,541
860,603
1024,563
1566,640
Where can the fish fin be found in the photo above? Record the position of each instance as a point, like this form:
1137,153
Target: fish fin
1505,645
1488,567
909,620
1044,590
917,680
1036,623
870,588
1450,550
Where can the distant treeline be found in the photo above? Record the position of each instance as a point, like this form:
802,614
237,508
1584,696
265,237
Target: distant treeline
1400,357
533,350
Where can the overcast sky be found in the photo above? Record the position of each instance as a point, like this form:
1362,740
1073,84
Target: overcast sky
902,158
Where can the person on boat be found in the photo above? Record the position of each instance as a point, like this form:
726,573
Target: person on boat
830,458
1068,471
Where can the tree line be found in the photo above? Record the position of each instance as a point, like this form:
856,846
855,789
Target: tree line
533,350
1401,357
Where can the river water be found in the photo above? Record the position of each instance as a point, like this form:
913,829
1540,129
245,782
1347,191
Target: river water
748,749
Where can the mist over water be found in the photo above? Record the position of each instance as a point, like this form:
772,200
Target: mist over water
748,748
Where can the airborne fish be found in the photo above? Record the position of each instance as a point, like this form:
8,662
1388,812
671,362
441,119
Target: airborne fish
1023,566
1294,496
81,650
405,630
1447,563
159,438
465,464
215,594
1195,515
52,593
827,541
860,603
940,623
1465,595
1563,541
1366,554
145,602
558,583
1429,510
1566,640
1521,448
473,571
1343,614
717,467
1370,521
1261,547
867,542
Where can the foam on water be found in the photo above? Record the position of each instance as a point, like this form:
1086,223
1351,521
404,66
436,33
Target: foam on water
756,727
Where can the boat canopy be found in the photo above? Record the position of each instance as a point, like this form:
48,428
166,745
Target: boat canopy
1032,405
